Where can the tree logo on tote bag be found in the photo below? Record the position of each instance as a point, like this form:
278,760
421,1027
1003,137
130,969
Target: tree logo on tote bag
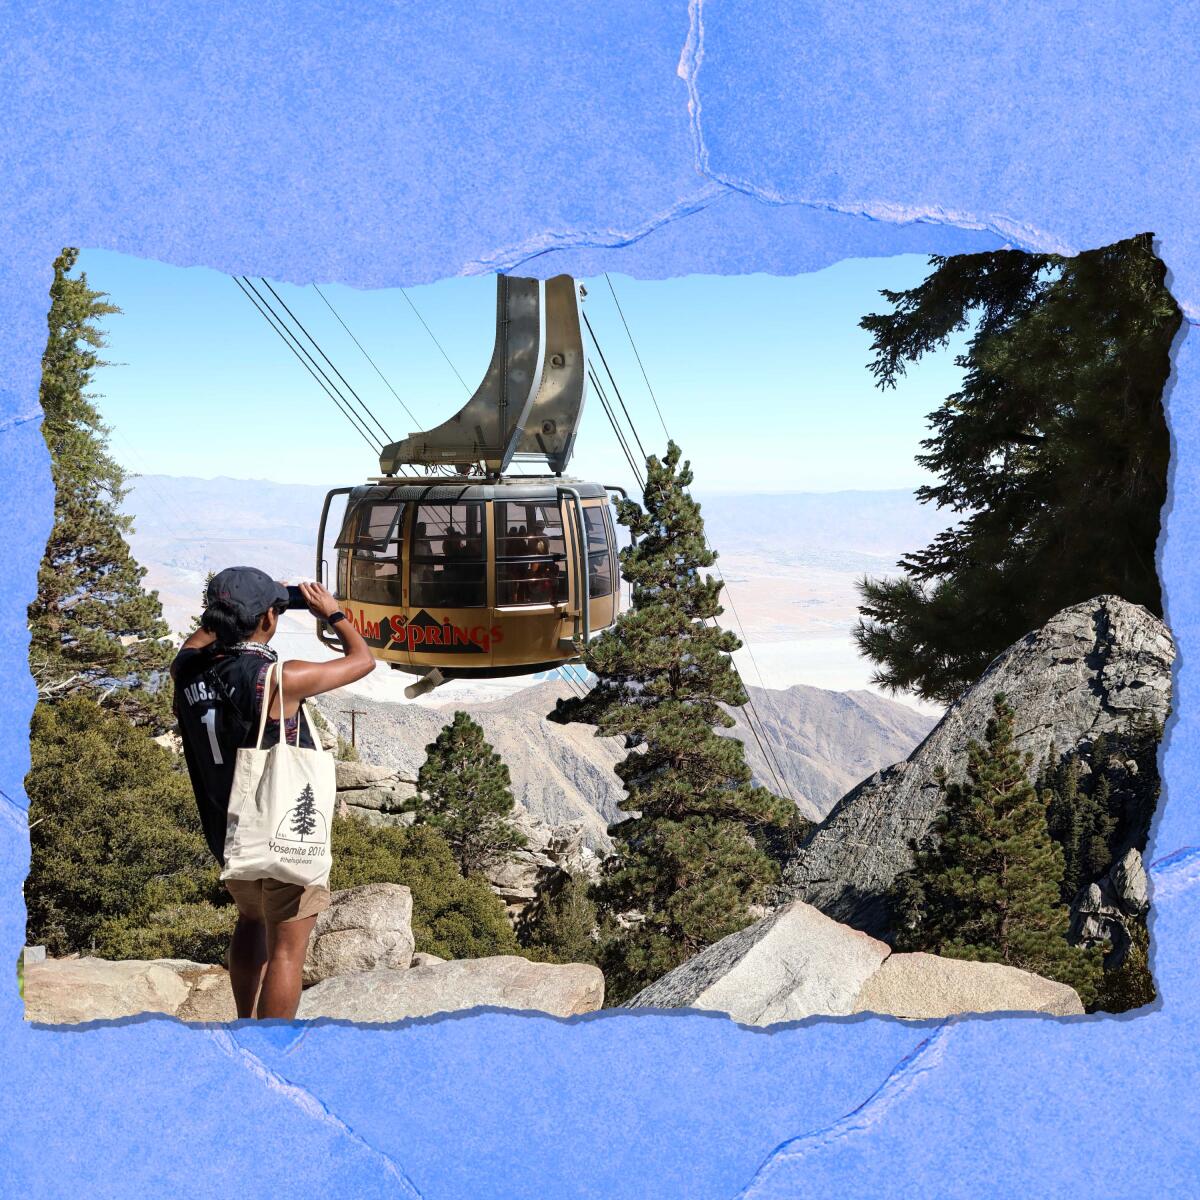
302,822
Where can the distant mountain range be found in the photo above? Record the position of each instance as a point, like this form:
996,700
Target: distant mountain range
823,743
790,560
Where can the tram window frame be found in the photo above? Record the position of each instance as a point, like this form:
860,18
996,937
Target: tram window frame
600,564
423,592
509,590
365,547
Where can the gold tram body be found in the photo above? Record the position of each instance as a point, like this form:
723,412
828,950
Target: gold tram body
462,577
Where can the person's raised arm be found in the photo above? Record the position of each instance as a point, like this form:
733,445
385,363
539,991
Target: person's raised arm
304,679
196,641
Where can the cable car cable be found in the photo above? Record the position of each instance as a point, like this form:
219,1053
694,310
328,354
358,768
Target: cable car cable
772,762
284,336
435,341
612,420
288,338
308,362
438,469
369,359
362,404
752,715
616,389
635,353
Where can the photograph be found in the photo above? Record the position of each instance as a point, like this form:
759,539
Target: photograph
600,600
778,646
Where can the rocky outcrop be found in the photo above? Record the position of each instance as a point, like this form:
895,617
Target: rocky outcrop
374,794
362,929
1089,670
61,991
920,986
360,966
501,982
1104,911
550,852
210,998
798,963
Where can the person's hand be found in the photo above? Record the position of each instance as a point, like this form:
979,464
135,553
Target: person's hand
321,603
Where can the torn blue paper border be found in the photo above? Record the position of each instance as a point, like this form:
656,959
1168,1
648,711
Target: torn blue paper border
381,145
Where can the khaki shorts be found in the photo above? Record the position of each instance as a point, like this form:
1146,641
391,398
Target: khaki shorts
275,902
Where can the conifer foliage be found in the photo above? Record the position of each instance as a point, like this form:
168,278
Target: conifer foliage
1099,800
985,885
464,790
1052,455
687,868
94,628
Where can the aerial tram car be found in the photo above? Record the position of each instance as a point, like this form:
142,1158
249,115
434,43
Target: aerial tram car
475,572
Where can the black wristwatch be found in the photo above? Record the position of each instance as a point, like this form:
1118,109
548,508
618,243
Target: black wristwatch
335,617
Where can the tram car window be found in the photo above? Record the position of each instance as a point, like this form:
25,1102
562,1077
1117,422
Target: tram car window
531,554
449,556
372,533
599,560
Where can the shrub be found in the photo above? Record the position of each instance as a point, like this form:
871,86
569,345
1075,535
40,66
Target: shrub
199,931
562,924
114,831
453,917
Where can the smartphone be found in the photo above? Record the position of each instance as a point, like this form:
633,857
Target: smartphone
296,599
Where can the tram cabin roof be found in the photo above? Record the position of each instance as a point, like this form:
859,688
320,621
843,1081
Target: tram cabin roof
433,491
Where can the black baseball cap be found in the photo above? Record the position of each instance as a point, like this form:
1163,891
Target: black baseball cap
248,591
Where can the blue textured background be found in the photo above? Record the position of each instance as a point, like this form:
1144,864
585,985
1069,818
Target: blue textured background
385,144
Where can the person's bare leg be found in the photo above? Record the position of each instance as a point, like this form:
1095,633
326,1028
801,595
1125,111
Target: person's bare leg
247,961
286,946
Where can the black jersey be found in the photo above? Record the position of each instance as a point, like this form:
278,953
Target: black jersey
218,698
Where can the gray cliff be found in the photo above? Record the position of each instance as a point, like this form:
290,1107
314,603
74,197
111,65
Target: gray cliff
1090,669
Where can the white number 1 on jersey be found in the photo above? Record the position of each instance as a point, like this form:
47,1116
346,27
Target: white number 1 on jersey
210,723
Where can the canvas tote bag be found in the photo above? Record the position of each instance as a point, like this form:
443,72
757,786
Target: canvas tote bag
281,804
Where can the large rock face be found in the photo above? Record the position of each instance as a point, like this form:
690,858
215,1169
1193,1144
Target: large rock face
363,928
787,966
501,982
799,963
61,991
1087,671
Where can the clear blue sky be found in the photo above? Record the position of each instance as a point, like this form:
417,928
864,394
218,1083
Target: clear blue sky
761,379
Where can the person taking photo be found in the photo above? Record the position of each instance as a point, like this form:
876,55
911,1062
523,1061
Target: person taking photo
219,676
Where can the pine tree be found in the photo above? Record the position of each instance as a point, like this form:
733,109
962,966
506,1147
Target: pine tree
687,868
304,815
464,790
1099,801
93,626
195,625
1053,453
1058,787
561,925
986,885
